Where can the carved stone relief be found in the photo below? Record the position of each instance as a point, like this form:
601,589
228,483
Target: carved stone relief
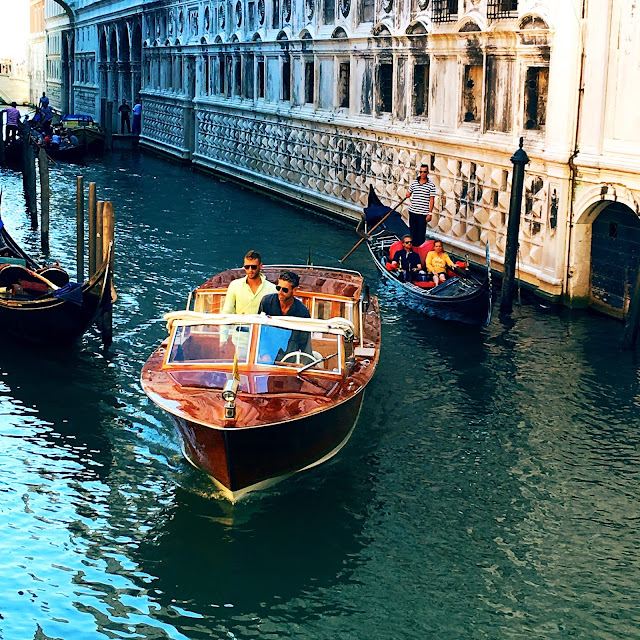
238,13
309,8
286,10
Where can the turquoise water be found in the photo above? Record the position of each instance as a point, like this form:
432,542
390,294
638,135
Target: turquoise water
490,489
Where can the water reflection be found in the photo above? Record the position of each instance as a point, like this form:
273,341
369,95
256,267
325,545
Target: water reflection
488,490
70,391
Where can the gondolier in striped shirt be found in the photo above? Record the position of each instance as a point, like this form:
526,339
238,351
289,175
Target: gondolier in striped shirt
422,193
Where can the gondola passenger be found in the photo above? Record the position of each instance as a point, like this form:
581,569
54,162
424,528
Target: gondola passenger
407,260
437,262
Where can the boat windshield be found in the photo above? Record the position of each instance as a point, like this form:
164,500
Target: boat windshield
299,348
210,344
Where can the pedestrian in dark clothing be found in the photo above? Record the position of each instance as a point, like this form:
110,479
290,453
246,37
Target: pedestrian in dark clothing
124,110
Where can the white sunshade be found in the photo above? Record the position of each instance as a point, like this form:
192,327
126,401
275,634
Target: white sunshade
339,326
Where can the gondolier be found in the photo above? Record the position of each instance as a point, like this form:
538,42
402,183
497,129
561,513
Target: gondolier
422,194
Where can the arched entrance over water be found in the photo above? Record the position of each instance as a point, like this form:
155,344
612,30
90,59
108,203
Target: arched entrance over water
615,257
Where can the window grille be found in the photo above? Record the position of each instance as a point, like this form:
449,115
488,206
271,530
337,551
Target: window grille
497,9
444,10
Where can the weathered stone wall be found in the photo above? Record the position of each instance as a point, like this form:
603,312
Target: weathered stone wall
317,99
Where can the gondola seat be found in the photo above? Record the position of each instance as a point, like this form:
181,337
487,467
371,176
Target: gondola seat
394,248
18,280
424,249
430,284
55,274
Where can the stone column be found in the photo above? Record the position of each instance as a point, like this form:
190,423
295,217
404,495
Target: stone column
136,81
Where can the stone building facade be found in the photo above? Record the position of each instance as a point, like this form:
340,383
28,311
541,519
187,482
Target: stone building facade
317,99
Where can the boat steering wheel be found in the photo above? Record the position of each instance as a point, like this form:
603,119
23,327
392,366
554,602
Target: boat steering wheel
298,355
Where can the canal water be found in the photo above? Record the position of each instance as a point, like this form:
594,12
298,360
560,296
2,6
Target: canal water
490,489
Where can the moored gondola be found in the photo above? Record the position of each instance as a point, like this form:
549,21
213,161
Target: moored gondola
464,297
41,305
256,398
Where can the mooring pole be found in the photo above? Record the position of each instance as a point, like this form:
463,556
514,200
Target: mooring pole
108,125
29,173
633,317
3,157
43,168
98,259
92,228
80,229
108,226
519,160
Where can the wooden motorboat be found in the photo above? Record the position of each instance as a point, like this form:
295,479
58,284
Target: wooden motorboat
256,398
464,297
39,304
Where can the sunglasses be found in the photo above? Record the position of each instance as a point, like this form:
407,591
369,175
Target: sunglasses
250,266
408,242
279,288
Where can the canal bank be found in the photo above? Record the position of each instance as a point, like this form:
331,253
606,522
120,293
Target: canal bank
489,489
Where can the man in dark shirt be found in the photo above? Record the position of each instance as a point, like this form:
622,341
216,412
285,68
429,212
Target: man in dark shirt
124,110
407,260
283,303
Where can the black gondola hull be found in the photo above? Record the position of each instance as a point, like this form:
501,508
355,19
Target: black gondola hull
51,320
464,300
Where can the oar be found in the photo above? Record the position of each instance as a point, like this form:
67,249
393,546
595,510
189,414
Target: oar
373,228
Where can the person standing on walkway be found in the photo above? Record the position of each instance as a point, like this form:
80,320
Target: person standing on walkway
124,110
13,117
136,127
44,101
422,193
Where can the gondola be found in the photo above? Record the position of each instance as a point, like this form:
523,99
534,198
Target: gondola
40,305
249,406
67,151
85,129
464,297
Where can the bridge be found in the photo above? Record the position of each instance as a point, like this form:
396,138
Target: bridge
14,83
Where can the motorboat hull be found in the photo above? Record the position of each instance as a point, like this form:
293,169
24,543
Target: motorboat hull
247,458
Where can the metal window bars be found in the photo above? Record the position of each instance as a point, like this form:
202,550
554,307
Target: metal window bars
497,9
444,10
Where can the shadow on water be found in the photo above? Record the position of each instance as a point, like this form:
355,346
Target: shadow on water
231,563
71,390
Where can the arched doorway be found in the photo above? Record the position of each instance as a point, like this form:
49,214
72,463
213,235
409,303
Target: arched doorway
615,257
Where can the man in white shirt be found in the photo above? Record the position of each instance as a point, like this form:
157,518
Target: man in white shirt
422,193
245,294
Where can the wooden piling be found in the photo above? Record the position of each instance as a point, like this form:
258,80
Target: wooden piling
519,160
29,173
43,168
633,318
92,228
80,229
108,246
98,236
108,125
3,156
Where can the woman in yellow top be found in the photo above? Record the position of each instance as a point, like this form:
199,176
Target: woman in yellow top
437,262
